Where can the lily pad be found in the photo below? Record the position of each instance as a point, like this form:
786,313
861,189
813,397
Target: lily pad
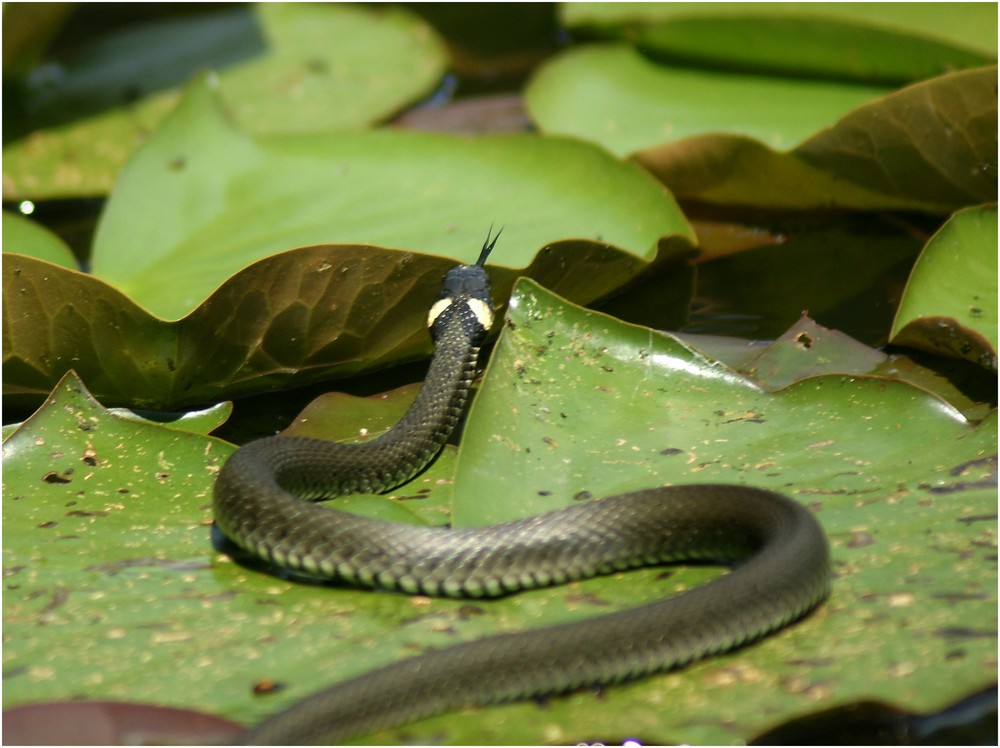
26,237
201,200
576,405
950,303
202,421
284,67
931,146
808,349
612,95
113,587
860,41
113,723
297,317
639,408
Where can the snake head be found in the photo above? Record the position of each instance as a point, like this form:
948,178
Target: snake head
465,291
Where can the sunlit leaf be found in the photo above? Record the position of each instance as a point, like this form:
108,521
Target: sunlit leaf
602,407
26,237
193,298
612,95
931,146
950,303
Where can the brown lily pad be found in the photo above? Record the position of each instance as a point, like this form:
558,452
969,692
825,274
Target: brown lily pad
931,146
113,723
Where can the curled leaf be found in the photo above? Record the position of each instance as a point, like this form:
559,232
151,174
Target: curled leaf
193,297
950,302
931,146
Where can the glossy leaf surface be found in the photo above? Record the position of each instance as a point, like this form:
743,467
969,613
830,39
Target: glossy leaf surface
950,303
602,407
612,95
194,296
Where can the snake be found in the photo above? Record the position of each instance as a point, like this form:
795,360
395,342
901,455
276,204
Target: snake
268,500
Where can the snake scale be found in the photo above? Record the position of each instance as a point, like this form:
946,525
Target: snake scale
265,501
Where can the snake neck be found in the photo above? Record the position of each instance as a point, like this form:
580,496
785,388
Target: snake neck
434,414
291,468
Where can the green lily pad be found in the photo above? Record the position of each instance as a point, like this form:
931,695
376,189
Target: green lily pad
202,421
950,303
808,349
26,237
201,200
107,554
575,404
860,41
612,95
333,311
903,529
284,67
931,146
631,375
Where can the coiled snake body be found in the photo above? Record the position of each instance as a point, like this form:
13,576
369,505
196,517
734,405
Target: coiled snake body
261,503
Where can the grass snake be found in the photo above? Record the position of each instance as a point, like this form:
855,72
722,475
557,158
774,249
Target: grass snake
265,501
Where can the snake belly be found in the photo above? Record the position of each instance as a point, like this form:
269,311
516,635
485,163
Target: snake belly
264,502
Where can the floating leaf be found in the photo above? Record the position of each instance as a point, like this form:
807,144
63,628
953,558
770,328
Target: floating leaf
931,146
723,137
26,237
203,421
639,408
612,95
630,380
950,303
575,404
201,201
861,41
195,421
285,67
294,318
807,349
113,723
113,587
